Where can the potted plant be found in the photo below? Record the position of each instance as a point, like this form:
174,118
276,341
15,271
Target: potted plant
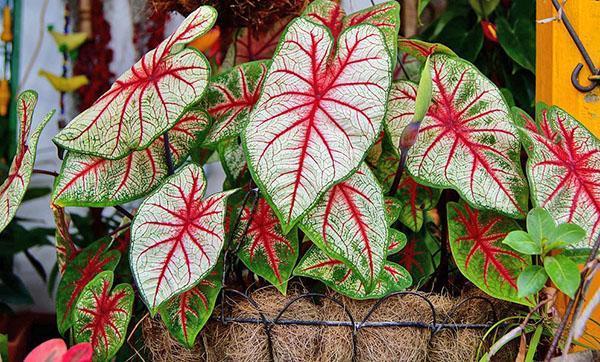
322,148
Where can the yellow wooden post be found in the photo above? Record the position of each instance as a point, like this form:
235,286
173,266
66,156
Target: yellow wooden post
556,56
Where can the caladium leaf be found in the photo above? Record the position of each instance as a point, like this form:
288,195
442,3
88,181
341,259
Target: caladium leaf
392,209
233,160
564,170
306,132
335,274
13,188
266,250
251,45
385,16
349,224
102,316
176,237
230,97
65,247
88,263
186,314
148,99
413,199
419,256
397,241
420,50
466,141
87,180
476,243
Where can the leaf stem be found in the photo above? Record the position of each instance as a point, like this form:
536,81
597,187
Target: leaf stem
45,172
123,212
168,155
399,172
579,296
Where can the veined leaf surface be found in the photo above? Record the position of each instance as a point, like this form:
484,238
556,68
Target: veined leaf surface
316,118
102,316
412,199
335,274
233,161
349,223
419,256
148,99
13,188
87,180
65,247
230,98
564,170
88,263
266,250
385,16
466,141
251,45
476,243
176,236
186,314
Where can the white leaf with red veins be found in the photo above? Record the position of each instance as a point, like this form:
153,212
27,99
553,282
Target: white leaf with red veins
318,114
230,98
349,224
14,187
94,181
467,140
335,274
146,100
564,170
176,236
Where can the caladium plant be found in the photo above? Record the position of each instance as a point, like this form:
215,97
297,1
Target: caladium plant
310,126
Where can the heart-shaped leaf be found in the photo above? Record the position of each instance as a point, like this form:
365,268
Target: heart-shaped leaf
148,99
266,250
413,199
476,243
563,169
349,224
176,237
88,263
94,181
13,188
385,16
335,274
230,98
466,141
102,316
186,314
420,256
251,45
316,117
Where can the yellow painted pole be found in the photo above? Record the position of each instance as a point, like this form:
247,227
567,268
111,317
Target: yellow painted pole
556,57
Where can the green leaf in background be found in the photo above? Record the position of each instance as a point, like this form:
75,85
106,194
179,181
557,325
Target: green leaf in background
564,235
421,5
484,8
3,347
518,41
522,242
540,224
564,273
531,280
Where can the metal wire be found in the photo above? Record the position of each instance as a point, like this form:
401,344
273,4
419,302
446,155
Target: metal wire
594,80
351,323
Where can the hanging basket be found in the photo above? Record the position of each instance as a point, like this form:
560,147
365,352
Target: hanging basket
406,326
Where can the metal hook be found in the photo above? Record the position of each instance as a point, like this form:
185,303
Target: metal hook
575,80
